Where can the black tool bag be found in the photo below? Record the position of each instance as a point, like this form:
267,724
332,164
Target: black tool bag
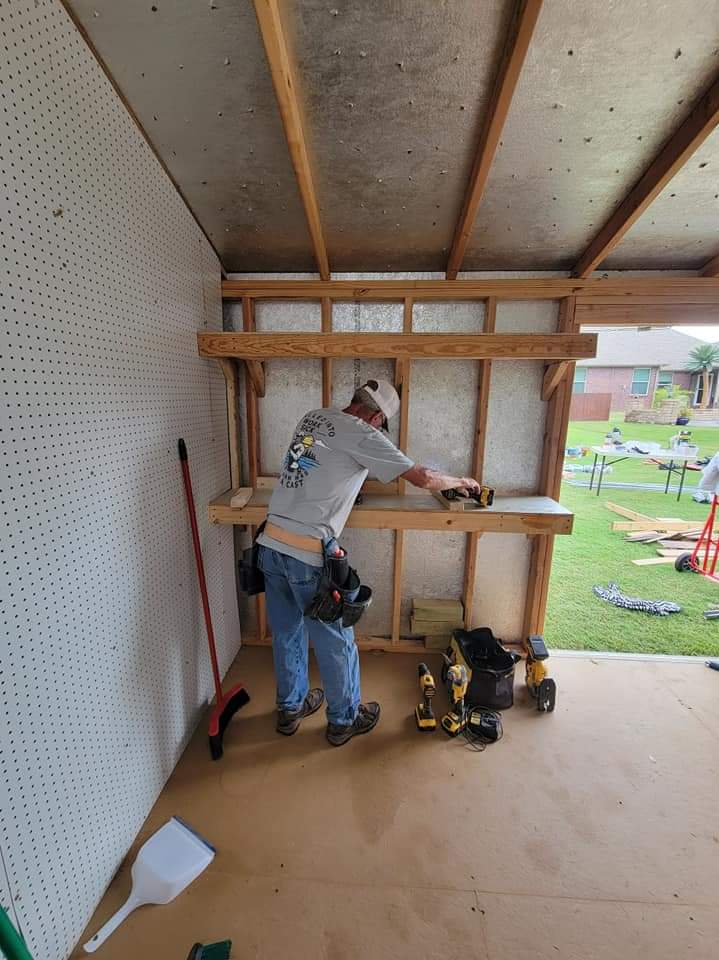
492,667
252,579
340,596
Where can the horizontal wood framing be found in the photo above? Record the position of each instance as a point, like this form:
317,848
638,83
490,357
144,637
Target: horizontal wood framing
647,314
536,515
400,346
668,289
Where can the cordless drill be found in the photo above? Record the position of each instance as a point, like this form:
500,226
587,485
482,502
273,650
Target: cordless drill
423,713
457,680
484,497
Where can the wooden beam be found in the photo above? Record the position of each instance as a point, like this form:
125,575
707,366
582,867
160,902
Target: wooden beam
401,377
270,21
229,370
552,377
555,439
480,436
253,436
667,289
397,584
326,307
253,447
409,346
256,373
674,153
647,314
711,269
519,36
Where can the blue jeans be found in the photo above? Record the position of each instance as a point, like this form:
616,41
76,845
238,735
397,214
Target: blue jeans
289,586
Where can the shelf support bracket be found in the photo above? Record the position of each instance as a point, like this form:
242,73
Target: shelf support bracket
553,376
256,372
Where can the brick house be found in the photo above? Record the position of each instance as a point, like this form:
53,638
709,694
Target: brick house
634,362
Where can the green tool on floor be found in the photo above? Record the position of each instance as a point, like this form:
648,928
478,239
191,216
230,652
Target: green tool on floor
211,951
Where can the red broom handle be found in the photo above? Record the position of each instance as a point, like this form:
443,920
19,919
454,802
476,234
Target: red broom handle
200,567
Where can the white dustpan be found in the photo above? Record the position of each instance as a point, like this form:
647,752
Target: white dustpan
166,863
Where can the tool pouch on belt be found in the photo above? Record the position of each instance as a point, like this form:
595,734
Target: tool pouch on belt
252,579
340,596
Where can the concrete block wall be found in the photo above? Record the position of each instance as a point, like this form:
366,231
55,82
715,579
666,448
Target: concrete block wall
440,435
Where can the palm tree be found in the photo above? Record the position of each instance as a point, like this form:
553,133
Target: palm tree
702,360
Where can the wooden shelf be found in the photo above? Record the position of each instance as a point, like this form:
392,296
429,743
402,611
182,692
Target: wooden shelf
399,346
533,515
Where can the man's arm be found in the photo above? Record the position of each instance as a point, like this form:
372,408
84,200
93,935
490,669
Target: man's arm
428,479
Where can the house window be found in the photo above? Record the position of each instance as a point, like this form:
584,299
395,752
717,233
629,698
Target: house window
640,381
580,380
665,378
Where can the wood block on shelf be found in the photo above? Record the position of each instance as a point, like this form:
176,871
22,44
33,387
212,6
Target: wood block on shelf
443,610
433,628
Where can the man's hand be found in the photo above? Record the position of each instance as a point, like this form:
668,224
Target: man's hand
465,486
427,479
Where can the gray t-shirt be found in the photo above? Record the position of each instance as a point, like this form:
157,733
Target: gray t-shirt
327,462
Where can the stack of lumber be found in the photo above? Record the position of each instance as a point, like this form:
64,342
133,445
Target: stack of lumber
671,536
435,620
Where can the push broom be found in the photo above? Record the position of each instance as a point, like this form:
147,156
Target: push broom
226,705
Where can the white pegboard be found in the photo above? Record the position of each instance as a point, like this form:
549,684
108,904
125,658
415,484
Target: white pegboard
104,280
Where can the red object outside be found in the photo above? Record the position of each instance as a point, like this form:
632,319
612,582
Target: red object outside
708,546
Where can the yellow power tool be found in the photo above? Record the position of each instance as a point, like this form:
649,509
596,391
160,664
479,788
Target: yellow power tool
423,712
457,679
540,685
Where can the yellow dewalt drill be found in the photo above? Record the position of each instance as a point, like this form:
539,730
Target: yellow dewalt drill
423,713
457,680
540,685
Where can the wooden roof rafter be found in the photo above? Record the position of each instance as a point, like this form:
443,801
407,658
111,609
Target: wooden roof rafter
711,269
519,36
672,156
273,36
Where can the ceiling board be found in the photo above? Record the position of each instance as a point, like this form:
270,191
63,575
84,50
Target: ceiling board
681,227
602,87
196,76
393,96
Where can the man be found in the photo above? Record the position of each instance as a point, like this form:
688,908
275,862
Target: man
329,458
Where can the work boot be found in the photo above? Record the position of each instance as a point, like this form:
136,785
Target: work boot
288,721
366,720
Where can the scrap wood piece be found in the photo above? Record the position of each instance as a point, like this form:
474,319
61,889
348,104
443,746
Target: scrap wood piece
681,545
629,514
654,561
672,526
648,536
677,553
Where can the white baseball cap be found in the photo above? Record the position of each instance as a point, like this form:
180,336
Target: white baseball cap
384,395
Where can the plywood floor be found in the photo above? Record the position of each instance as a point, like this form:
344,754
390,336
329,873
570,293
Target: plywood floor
589,834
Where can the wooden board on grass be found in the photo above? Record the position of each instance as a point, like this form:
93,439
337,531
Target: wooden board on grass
654,561
649,536
626,512
660,526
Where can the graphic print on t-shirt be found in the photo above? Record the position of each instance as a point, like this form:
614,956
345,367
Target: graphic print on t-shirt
301,457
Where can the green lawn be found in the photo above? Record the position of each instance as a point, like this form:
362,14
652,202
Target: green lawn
594,554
